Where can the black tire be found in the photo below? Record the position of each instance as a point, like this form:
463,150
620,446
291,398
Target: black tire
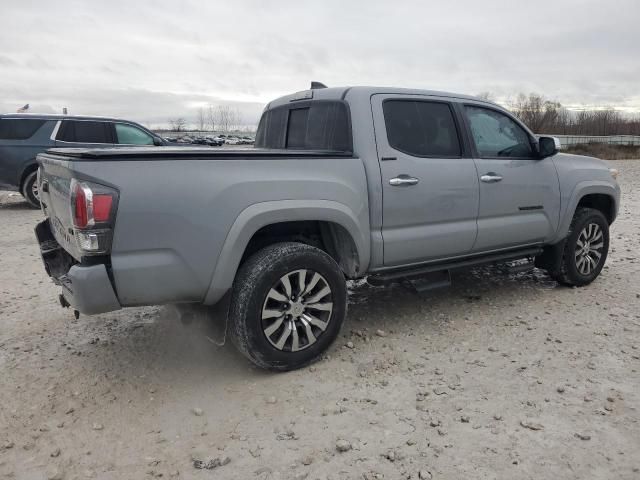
570,268
27,189
258,277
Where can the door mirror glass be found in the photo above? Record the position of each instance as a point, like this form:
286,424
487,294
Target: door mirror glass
548,146
157,142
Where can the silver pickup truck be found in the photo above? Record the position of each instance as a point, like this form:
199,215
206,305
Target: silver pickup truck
343,183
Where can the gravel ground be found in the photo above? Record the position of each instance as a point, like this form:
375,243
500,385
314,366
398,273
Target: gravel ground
500,376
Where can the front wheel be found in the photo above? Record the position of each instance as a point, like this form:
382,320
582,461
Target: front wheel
288,303
29,189
586,248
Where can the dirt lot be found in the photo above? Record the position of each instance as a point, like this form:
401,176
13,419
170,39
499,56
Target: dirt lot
501,376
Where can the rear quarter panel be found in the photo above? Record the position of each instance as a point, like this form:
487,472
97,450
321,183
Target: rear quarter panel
174,216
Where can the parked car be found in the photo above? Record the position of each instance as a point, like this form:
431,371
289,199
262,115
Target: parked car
214,141
344,183
23,136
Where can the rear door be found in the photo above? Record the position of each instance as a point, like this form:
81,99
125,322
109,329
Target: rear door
519,193
429,180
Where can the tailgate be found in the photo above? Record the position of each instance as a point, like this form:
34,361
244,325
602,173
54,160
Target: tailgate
54,186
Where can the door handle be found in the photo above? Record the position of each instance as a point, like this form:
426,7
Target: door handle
490,177
403,181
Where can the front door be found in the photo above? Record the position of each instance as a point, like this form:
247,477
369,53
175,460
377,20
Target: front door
429,180
519,193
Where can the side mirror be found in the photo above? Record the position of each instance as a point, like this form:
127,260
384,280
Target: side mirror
158,142
548,146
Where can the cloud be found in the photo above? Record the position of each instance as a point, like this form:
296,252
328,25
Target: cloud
151,60
153,109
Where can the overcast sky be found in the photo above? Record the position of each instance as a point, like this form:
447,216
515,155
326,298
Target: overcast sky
151,60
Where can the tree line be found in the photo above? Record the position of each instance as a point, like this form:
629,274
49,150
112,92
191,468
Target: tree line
542,115
218,118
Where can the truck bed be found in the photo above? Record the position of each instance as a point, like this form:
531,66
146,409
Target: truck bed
179,209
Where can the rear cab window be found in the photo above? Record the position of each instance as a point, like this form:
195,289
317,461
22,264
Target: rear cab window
85,131
421,128
19,128
308,125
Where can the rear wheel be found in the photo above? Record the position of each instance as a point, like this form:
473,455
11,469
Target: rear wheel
586,248
29,189
288,303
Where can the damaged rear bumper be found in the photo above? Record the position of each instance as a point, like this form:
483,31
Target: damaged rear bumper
86,288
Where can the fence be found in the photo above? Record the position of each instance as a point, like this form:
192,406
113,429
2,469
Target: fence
568,140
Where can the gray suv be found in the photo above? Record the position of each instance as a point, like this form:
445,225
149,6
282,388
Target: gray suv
23,136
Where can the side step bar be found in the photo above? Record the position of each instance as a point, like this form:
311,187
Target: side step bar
387,277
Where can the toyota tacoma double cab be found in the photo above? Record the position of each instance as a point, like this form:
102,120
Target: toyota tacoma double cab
342,183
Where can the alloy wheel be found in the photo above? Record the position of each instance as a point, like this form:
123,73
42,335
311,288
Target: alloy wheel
34,190
589,248
297,310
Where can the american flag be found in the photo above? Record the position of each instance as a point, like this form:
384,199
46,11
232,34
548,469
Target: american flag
23,109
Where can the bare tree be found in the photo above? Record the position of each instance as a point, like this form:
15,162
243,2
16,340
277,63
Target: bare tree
224,117
237,118
546,116
201,119
211,117
488,96
536,111
177,124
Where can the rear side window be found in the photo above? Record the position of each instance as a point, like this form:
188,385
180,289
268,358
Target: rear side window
18,128
85,131
130,135
421,129
319,125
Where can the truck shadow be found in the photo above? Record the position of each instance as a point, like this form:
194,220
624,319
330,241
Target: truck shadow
11,204
153,346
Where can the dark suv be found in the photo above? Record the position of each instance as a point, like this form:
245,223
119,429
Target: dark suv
23,136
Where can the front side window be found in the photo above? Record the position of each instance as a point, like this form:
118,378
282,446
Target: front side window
18,128
497,135
85,131
130,135
421,129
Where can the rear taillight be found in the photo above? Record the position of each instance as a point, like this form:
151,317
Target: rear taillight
93,211
81,196
102,204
